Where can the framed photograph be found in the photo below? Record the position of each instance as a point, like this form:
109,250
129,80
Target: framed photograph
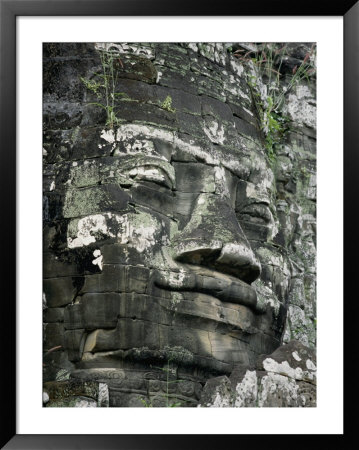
169,248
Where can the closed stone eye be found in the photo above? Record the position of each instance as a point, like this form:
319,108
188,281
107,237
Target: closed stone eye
150,173
257,212
146,168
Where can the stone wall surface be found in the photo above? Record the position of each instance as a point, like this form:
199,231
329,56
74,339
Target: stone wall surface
179,211
286,378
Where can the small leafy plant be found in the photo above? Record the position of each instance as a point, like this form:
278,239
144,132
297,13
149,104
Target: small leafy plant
167,104
269,92
103,85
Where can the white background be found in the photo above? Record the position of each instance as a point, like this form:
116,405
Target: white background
31,417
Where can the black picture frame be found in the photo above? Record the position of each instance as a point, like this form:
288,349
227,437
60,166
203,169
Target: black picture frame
9,10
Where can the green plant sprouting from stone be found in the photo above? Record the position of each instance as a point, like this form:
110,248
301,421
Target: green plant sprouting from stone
167,104
103,85
269,92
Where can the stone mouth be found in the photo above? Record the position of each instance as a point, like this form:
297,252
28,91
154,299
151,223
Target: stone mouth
224,287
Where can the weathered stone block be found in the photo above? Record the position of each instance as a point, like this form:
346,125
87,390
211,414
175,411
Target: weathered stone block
53,267
76,393
59,291
53,315
93,200
286,378
136,67
216,108
192,177
247,129
93,311
74,341
129,333
53,335
154,196
117,278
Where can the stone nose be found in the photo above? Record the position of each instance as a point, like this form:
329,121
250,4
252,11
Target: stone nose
214,238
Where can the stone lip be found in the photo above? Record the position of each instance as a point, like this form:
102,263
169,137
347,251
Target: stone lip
224,287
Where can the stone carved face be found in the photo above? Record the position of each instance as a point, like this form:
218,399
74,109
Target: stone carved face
173,243
161,221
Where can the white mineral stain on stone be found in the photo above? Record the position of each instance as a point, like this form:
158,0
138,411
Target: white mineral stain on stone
302,112
98,261
103,395
125,48
176,298
147,173
265,297
74,163
136,234
296,356
129,131
86,227
247,111
44,303
247,390
52,186
142,146
85,403
220,401
45,397
240,93
283,368
159,76
108,136
193,46
274,384
301,106
215,132
303,92
237,254
201,200
236,66
220,180
44,152
176,278
196,150
232,85
310,365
